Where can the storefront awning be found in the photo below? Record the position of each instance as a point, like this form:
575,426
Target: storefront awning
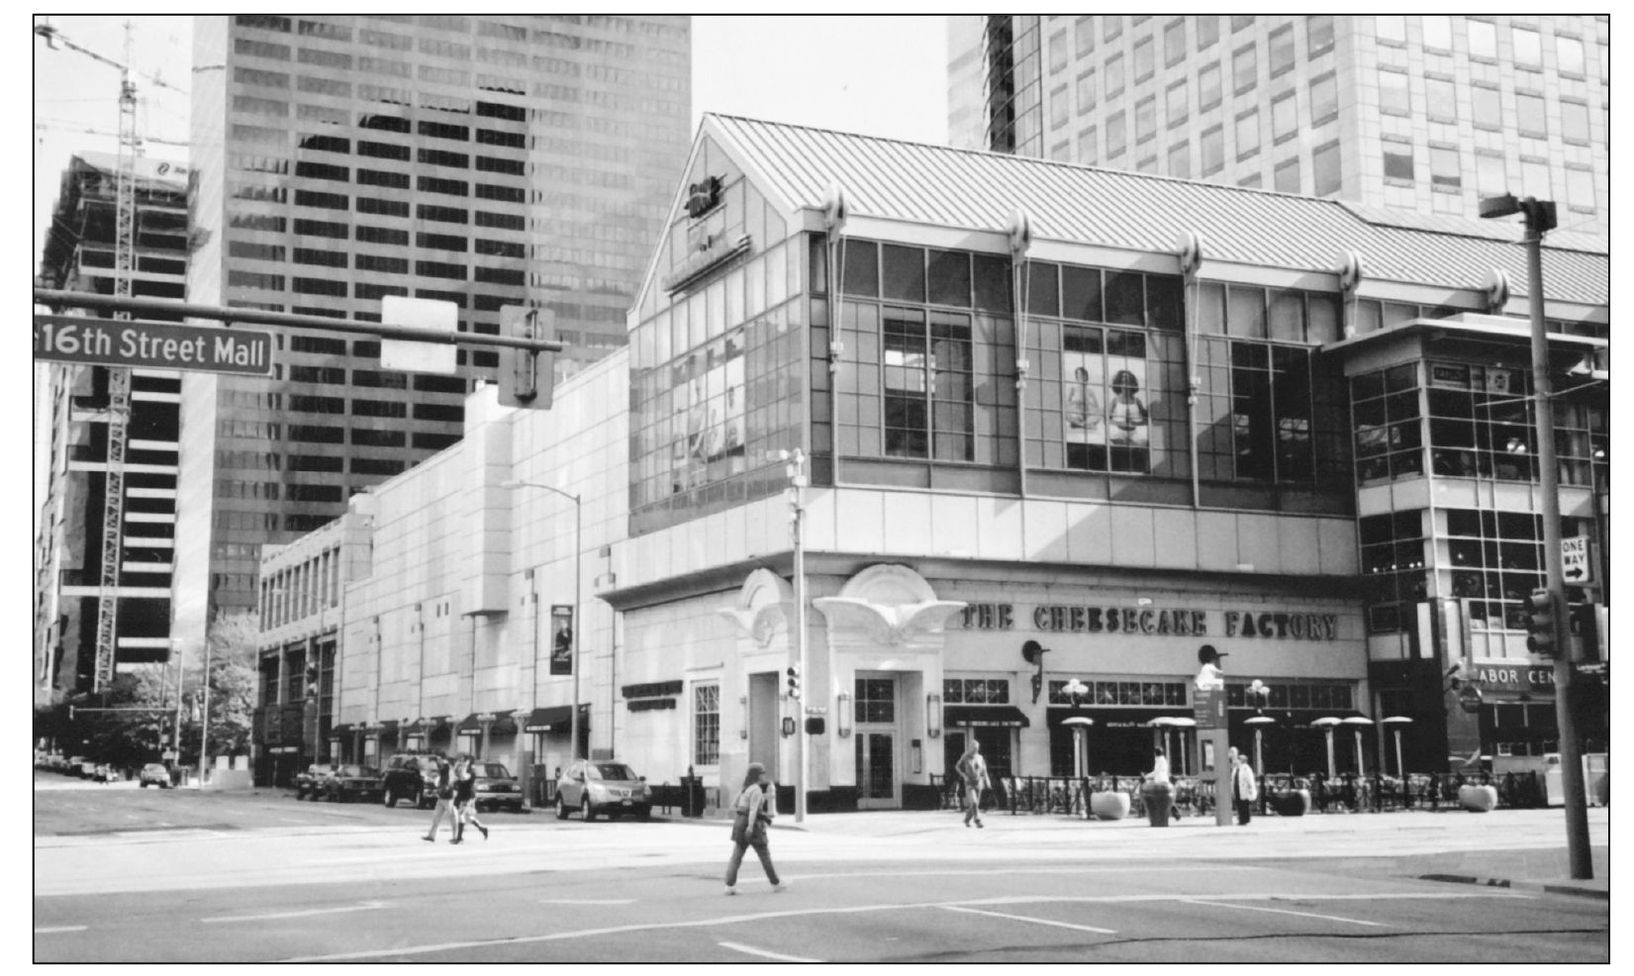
499,722
340,730
557,718
424,724
984,716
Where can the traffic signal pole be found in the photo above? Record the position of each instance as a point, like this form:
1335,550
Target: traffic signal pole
1538,220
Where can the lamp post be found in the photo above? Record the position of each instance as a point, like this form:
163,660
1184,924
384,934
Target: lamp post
204,714
1395,722
795,468
1076,690
1540,218
578,609
1259,695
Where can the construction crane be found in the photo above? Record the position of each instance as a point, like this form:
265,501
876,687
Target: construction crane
119,380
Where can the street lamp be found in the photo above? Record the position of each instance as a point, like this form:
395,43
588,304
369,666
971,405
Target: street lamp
1540,219
1079,724
795,468
578,609
1395,722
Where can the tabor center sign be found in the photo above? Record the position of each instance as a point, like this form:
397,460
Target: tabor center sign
111,342
1151,621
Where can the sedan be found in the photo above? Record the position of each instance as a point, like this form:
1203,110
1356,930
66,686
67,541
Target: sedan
306,782
350,783
155,774
593,787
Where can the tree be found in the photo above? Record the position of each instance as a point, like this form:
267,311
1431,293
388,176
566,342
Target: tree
233,639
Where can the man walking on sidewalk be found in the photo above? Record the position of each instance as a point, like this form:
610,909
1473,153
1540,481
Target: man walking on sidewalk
972,768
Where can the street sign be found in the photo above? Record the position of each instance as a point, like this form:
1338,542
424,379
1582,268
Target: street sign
423,313
1209,707
161,345
1575,566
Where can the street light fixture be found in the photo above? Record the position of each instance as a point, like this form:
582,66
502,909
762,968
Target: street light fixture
578,608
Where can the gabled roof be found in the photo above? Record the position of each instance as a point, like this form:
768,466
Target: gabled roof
966,189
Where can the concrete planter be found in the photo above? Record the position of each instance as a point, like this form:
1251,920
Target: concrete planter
1109,805
1478,799
1294,803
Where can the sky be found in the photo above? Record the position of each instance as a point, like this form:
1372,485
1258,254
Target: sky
884,76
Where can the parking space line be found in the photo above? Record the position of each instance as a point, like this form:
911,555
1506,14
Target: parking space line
764,954
1277,911
587,901
52,929
1028,918
364,907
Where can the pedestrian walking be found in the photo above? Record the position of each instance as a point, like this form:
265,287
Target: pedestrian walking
752,813
972,768
465,789
445,801
1244,789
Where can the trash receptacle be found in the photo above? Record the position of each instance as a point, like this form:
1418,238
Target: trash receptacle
692,796
1159,798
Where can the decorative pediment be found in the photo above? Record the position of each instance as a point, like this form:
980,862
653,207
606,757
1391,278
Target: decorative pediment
886,604
765,603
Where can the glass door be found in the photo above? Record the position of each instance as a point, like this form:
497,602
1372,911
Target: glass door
876,736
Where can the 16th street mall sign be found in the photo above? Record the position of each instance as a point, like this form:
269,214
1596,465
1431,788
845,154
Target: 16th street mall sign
109,342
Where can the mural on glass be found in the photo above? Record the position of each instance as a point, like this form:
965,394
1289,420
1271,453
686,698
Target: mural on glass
1107,421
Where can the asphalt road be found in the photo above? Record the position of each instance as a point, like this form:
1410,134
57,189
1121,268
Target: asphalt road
142,876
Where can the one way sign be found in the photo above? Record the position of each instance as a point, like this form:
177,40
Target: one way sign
1575,566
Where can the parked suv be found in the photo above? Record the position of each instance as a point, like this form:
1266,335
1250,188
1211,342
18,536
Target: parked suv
155,774
495,787
410,776
592,787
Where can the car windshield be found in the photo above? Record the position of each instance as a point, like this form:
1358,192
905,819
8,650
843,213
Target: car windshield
614,771
150,767
490,770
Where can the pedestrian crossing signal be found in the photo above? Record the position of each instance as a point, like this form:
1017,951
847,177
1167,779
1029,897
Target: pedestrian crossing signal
794,681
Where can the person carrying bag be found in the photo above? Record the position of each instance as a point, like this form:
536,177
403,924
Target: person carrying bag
752,812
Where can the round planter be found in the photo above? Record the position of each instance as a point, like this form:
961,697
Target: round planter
1295,803
1109,805
1159,798
1478,799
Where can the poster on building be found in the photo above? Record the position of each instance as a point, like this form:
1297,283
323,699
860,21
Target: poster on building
561,639
1107,422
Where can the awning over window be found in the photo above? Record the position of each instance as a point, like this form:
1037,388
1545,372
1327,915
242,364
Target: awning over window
499,723
557,718
340,730
426,724
983,716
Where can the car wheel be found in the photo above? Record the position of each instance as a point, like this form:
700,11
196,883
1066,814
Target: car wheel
561,807
586,811
144,784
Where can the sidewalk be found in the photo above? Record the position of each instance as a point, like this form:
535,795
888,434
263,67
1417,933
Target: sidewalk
1521,849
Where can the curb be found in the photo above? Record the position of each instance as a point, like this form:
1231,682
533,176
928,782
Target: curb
1550,888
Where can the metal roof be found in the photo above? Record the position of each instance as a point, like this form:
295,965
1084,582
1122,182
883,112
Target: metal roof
938,185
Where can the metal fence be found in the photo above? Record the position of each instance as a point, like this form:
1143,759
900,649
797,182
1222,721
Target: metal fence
1193,796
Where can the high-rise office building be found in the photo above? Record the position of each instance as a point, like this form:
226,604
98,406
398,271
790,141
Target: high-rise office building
485,161
73,407
1428,113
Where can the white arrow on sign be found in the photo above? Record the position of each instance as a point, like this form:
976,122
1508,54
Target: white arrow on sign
1574,559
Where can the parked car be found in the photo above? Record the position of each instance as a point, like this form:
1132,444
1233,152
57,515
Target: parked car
89,770
76,766
155,774
410,776
594,787
496,787
306,782
351,783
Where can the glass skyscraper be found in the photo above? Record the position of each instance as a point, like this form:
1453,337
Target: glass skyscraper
485,161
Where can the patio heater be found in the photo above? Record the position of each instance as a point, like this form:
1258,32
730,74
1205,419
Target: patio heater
1327,724
1358,723
1259,722
1395,722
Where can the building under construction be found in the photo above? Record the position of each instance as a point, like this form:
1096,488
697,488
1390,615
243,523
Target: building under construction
74,403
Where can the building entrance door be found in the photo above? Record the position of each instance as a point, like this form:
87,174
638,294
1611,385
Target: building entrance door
878,785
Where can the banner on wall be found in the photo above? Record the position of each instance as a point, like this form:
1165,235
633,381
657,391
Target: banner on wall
561,639
1103,399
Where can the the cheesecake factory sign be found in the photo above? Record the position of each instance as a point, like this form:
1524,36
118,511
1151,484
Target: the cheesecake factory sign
1152,621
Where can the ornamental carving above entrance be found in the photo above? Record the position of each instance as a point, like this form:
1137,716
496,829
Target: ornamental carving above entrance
889,605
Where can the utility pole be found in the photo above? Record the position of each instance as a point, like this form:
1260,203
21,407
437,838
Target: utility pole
1540,218
796,470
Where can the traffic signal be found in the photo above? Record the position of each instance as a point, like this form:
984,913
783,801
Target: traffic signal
526,378
1540,622
794,680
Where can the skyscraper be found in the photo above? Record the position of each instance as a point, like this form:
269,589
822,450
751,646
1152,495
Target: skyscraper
1427,113
486,161
79,256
